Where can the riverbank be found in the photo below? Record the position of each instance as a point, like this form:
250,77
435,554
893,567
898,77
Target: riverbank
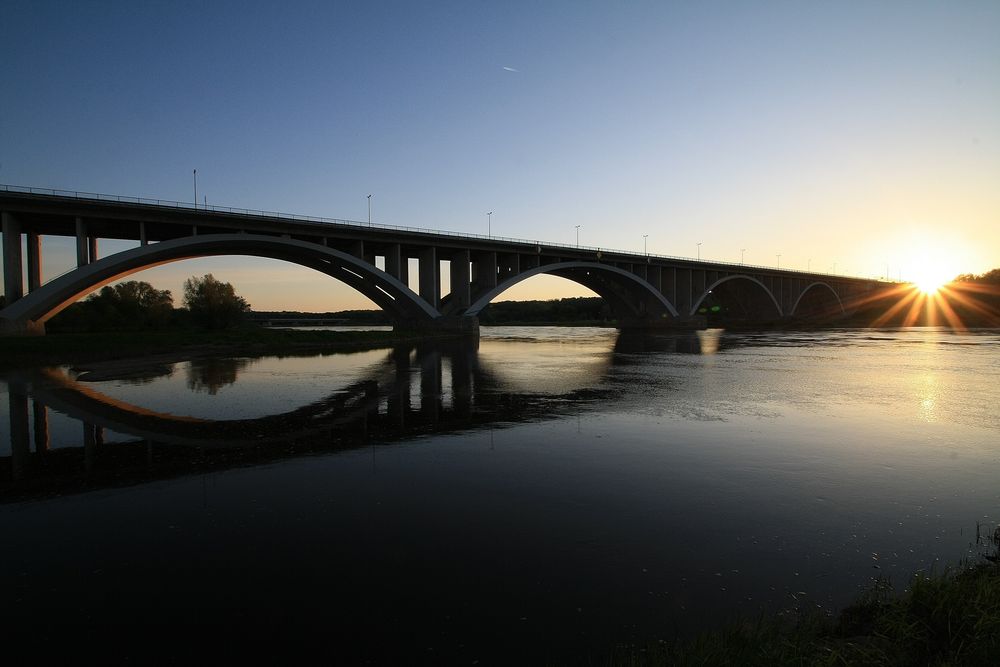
55,349
951,618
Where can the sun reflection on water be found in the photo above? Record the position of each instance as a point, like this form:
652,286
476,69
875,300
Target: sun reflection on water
928,392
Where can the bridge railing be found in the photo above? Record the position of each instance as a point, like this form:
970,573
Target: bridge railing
256,213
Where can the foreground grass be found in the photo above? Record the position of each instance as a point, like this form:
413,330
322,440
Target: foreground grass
951,618
24,351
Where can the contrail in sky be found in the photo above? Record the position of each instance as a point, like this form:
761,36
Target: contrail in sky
511,69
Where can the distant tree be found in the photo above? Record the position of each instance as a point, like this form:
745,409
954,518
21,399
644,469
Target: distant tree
129,306
136,301
214,304
989,278
975,299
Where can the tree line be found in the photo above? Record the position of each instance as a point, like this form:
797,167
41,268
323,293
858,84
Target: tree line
975,299
138,306
989,278
555,311
582,309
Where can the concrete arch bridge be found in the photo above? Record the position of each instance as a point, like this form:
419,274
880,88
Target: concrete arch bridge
424,279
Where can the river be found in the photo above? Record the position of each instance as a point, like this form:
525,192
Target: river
547,495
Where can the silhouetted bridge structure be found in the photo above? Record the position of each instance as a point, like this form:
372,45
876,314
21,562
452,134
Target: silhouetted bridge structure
424,279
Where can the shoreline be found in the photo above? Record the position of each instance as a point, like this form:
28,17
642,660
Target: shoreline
126,349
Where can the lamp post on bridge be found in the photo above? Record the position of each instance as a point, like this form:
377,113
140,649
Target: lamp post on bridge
644,237
369,210
577,235
195,175
489,224
699,251
779,260
742,250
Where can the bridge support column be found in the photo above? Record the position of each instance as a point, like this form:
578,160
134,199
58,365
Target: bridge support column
34,261
430,277
653,278
12,265
486,271
393,261
404,268
668,285
92,249
143,240
510,266
682,288
81,243
460,281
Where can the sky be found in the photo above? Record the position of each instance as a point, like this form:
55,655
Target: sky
851,137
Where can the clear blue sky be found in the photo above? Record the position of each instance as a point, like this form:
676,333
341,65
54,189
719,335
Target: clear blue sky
853,134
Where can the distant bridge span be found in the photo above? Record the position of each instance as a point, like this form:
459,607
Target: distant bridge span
399,269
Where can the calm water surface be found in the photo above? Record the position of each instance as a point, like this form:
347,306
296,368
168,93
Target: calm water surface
550,494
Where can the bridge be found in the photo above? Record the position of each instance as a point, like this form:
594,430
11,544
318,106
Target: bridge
424,279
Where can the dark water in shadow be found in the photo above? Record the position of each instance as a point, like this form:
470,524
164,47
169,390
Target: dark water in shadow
541,497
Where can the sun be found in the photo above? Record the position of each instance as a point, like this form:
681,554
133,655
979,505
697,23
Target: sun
931,284
929,279
930,268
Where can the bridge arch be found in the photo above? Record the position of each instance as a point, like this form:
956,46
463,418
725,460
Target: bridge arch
34,309
721,281
629,295
817,284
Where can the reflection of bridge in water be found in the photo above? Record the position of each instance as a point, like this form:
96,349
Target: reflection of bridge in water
430,388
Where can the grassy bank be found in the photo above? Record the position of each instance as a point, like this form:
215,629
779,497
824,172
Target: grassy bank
25,351
952,618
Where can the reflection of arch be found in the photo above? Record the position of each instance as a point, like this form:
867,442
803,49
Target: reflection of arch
720,281
626,293
819,284
63,394
408,392
386,291
380,399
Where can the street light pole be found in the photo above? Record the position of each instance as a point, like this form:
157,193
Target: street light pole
577,235
196,188
779,260
489,224
699,251
742,250
369,210
644,237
